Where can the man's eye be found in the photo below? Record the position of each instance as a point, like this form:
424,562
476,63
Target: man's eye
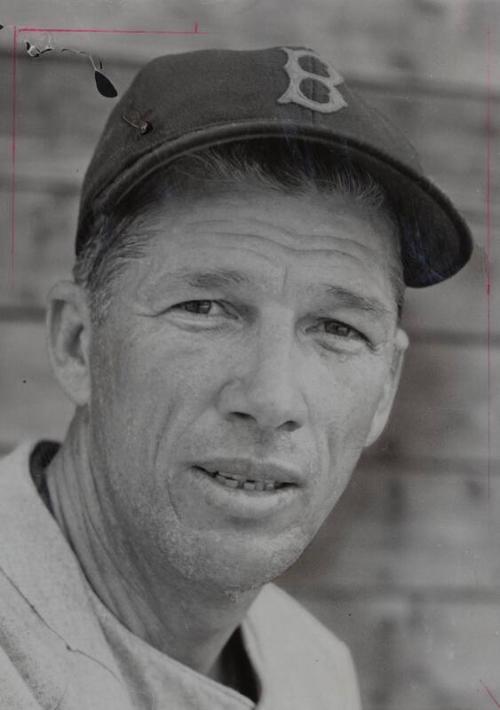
203,308
341,330
336,334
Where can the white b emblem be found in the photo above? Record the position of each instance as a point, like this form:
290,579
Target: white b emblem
296,74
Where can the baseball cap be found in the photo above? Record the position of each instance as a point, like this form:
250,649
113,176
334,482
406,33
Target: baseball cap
185,102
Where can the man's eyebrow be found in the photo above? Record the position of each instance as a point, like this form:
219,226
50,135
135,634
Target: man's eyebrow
216,278
351,299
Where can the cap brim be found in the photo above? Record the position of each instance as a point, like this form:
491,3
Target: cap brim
435,240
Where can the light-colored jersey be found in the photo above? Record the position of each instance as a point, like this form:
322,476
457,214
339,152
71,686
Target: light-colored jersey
61,649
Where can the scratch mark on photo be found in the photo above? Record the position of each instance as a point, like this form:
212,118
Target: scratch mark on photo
13,159
490,694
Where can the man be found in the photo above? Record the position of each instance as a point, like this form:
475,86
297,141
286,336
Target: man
231,342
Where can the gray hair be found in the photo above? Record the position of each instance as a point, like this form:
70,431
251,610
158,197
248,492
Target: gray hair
120,234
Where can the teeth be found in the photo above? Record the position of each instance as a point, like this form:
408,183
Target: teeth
235,481
230,482
232,476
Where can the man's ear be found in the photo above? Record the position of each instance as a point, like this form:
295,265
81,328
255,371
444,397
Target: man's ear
68,336
390,388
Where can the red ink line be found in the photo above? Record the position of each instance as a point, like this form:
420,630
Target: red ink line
80,30
489,234
13,158
462,15
100,30
490,694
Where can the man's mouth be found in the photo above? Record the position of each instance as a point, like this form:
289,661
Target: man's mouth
231,480
252,475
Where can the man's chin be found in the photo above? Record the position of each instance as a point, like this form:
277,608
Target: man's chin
237,566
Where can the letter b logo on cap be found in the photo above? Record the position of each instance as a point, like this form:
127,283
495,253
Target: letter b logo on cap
296,74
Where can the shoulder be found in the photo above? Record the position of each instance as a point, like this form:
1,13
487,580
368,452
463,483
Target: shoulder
17,458
292,621
296,645
15,478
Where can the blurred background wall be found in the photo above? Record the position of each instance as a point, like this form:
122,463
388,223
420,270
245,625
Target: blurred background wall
407,569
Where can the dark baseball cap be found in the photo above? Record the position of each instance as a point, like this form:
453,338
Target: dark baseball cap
181,103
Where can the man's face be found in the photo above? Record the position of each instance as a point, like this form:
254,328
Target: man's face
246,360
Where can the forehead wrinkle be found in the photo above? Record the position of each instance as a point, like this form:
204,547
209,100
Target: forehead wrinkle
266,224
206,275
321,231
327,251
228,271
261,219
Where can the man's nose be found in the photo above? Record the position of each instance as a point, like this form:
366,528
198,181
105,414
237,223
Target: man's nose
264,386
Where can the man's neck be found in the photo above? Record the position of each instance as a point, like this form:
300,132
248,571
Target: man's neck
184,619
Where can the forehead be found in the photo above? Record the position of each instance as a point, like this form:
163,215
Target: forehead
312,237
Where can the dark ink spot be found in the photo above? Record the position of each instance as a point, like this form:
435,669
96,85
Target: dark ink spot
104,86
